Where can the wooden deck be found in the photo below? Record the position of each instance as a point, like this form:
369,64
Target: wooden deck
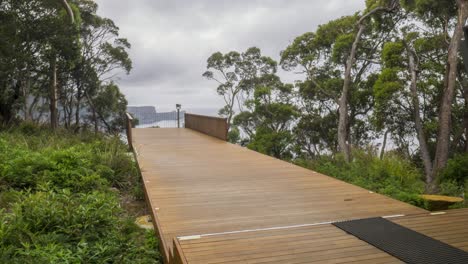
217,202
319,244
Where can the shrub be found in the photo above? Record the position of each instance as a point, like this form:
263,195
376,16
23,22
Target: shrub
61,227
57,206
456,170
392,176
78,166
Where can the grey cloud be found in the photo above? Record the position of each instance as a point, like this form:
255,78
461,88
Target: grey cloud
171,40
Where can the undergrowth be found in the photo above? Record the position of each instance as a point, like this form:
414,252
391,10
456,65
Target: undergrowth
59,199
392,176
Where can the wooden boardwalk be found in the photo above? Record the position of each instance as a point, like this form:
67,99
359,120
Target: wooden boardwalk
322,243
215,202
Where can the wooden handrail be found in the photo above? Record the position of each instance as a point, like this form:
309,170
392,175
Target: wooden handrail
210,125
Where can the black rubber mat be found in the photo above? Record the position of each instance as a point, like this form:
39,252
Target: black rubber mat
403,243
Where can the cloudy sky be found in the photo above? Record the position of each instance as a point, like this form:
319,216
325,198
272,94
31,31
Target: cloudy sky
171,40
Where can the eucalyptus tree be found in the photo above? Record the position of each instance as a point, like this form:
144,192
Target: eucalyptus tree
104,53
373,8
445,16
39,34
62,43
407,89
57,52
338,61
269,117
236,74
447,12
419,79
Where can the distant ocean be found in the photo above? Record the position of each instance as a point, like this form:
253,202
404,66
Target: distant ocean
152,116
193,110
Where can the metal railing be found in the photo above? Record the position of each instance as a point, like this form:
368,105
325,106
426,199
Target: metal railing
147,117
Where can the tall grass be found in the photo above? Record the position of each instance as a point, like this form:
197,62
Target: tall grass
392,176
59,200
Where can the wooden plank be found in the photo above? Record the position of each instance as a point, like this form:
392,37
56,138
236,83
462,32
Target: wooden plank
450,228
318,244
209,125
200,185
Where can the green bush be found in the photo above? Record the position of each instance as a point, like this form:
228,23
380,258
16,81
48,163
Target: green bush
392,176
57,203
455,173
78,166
60,227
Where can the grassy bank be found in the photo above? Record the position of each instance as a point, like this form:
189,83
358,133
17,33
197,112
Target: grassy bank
61,199
393,175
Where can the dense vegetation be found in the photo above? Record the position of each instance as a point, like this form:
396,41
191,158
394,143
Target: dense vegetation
58,60
389,77
61,196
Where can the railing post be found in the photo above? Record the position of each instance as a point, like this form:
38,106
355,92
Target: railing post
129,126
178,106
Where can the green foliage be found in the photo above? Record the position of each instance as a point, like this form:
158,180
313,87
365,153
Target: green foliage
273,143
57,203
391,54
58,227
237,75
234,135
392,176
111,104
386,85
456,171
40,40
81,167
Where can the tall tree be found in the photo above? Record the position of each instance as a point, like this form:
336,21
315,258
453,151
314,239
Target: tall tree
412,69
236,74
373,7
445,114
269,117
323,57
55,57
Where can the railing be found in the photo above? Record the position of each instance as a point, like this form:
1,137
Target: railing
129,126
161,120
212,126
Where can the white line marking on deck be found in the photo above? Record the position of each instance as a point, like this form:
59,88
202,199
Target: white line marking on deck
393,216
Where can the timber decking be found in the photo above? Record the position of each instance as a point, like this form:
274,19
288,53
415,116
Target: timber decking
319,244
197,184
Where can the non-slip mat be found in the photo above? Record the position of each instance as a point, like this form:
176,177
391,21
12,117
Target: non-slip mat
403,243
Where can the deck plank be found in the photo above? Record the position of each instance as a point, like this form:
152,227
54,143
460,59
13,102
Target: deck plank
197,184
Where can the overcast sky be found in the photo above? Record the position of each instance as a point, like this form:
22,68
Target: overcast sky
171,40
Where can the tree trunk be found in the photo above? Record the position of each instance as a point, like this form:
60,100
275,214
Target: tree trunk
384,144
343,102
97,114
26,87
423,147
465,117
343,131
78,106
445,112
31,109
96,128
53,94
69,10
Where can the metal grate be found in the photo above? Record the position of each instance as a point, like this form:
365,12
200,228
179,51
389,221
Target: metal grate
403,243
